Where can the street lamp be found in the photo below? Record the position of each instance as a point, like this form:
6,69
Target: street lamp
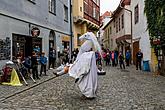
131,28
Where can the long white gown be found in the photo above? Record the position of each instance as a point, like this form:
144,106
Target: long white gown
85,69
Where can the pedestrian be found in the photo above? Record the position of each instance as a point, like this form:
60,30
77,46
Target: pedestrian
121,60
104,54
107,58
127,57
139,57
116,54
113,58
43,62
34,64
52,58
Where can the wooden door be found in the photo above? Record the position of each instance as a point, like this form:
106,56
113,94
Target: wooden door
135,50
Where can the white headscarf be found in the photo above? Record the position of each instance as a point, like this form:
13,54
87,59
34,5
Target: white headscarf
91,42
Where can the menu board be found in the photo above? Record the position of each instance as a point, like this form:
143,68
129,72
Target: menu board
5,48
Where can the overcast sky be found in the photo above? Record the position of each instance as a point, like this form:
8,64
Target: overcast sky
108,5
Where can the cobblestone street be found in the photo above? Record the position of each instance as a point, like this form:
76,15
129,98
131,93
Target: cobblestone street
118,90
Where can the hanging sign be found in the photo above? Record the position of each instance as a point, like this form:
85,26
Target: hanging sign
35,32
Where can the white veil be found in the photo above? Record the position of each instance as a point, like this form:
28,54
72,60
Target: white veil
90,37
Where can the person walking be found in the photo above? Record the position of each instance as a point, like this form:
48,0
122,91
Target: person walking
43,61
121,60
127,57
113,58
139,57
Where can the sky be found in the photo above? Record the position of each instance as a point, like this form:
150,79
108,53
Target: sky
108,5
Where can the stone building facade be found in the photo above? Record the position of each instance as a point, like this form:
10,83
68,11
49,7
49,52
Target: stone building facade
29,24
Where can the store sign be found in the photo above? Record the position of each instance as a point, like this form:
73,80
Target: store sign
65,38
35,32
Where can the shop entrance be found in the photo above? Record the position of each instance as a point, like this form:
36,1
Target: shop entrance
135,50
25,45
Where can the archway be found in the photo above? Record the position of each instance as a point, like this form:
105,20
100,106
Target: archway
52,46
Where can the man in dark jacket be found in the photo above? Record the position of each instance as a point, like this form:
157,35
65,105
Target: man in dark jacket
139,57
52,58
34,65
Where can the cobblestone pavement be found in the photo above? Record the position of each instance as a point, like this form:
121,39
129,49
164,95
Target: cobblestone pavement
118,90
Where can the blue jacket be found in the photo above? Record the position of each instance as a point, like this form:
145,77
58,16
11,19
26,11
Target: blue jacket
43,60
128,55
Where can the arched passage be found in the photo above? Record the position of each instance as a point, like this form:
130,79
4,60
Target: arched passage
52,49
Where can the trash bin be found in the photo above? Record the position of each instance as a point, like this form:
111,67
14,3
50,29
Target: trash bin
146,66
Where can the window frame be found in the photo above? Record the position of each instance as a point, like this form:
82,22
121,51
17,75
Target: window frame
52,10
66,16
32,1
119,24
122,21
136,14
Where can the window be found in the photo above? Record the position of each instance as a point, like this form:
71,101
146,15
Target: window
114,23
85,7
33,1
78,40
117,26
119,23
110,30
136,16
111,43
65,13
97,15
122,21
97,1
52,6
94,12
81,9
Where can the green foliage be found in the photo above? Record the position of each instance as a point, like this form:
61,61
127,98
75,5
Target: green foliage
155,12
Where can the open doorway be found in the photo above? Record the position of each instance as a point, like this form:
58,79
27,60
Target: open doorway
25,45
135,50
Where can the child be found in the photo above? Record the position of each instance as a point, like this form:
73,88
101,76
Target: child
43,61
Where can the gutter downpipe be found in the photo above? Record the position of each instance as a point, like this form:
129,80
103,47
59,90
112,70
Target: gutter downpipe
71,32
